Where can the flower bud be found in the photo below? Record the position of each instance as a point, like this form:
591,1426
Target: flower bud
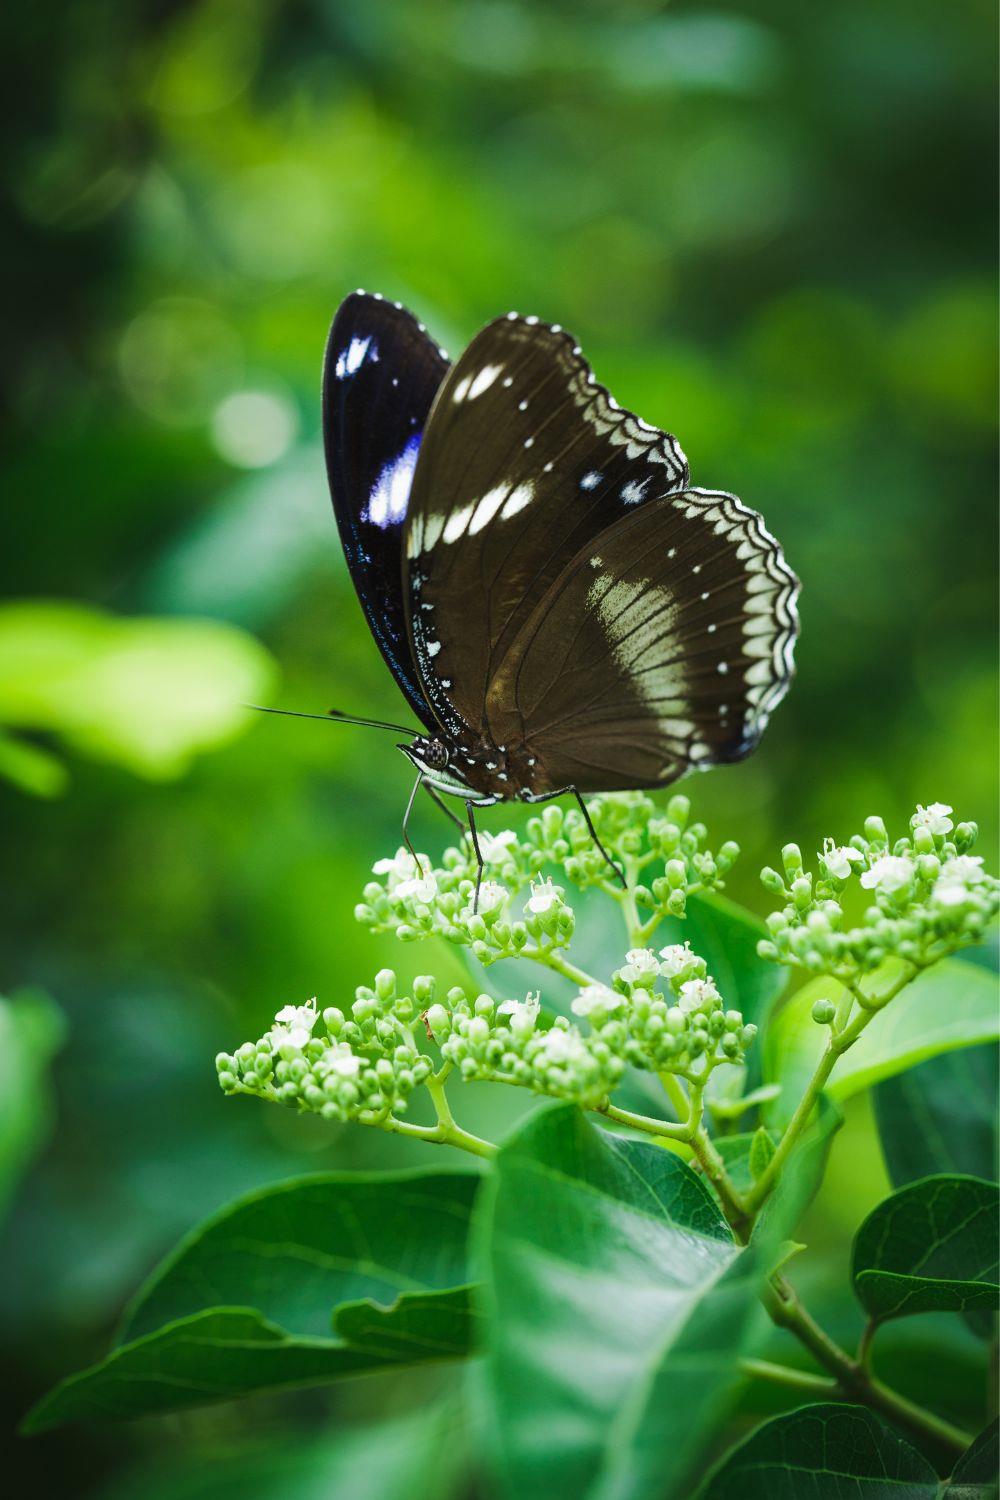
772,881
791,858
423,989
385,984
875,831
823,1012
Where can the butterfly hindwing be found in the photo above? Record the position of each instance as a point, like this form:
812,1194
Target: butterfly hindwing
525,458
380,375
664,645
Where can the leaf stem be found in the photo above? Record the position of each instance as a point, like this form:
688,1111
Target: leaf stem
646,1123
802,1380
852,1378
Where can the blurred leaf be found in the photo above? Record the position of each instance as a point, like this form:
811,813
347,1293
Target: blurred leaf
975,1474
619,1303
930,1247
827,1452
31,1031
146,694
254,1298
413,1458
941,1116
29,767
950,1006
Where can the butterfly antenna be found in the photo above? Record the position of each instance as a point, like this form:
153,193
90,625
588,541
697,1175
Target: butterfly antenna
333,713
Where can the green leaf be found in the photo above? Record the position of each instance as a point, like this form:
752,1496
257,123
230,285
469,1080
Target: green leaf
950,1006
619,1306
941,1116
31,768
31,1031
826,1452
304,1282
800,1179
417,1457
975,1474
930,1247
146,694
761,1152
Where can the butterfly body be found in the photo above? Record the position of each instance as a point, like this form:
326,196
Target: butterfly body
562,610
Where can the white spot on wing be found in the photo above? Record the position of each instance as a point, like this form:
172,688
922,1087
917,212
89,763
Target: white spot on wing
351,359
590,481
391,491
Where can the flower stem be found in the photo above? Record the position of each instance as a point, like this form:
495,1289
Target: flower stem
853,1380
645,1123
550,958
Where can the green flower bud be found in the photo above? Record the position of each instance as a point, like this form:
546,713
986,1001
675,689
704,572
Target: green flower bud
791,858
772,881
823,1012
423,989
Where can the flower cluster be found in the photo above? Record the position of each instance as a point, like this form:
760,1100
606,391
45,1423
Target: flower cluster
927,897
663,856
361,1067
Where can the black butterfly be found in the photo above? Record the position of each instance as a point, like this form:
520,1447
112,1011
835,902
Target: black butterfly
562,611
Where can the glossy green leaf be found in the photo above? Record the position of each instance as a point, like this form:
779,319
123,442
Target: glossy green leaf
147,694
313,1279
825,1452
619,1304
930,1247
952,1005
975,1475
941,1116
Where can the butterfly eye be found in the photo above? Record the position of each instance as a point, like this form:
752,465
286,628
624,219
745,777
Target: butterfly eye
437,754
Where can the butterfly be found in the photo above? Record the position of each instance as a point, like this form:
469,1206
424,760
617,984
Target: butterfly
562,610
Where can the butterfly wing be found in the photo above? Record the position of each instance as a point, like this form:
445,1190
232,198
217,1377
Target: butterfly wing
380,375
524,459
665,644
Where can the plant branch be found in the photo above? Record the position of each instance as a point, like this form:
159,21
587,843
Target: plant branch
852,1378
551,958
646,1123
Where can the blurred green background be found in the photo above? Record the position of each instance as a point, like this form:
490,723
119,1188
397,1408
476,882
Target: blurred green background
771,227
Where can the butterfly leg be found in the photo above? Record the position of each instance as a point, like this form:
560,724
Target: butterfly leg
593,834
479,854
406,823
442,804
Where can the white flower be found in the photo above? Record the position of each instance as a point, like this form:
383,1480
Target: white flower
642,960
891,872
561,1046
492,896
523,1013
696,994
295,1016
416,890
952,885
597,1000
544,895
495,846
293,1026
934,817
675,958
341,1060
404,874
839,858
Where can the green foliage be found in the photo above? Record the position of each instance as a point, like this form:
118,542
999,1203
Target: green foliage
826,1452
618,1299
930,1247
941,1116
952,1005
31,1032
312,1280
148,695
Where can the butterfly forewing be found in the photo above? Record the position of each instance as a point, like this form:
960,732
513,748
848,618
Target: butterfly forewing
525,459
380,376
663,645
